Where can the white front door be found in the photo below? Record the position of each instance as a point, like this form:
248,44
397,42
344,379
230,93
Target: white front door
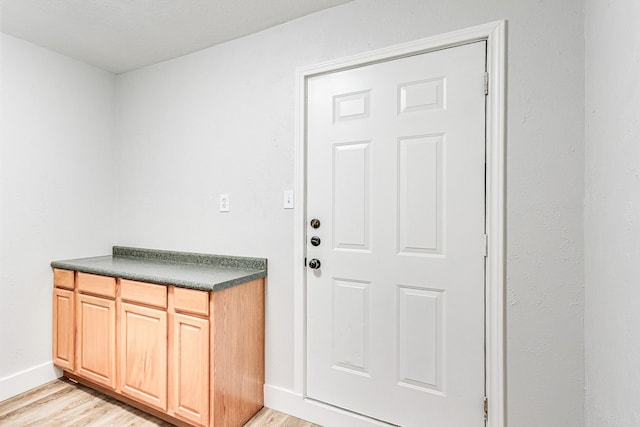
396,178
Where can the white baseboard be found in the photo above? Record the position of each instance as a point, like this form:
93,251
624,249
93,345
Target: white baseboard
294,404
20,382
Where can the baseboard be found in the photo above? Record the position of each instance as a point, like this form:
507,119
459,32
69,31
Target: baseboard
22,381
294,404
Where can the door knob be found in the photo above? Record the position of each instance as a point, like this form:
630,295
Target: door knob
315,223
314,263
315,241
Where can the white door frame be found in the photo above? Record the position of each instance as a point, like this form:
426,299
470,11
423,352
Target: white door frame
494,34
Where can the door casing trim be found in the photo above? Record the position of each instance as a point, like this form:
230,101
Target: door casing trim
494,33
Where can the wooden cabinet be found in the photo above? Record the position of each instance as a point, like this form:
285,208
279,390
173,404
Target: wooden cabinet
188,356
96,346
64,328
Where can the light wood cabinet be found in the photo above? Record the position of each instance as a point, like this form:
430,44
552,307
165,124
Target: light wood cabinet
64,328
188,356
96,345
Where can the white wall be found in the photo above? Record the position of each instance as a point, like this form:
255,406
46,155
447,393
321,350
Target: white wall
57,194
221,120
612,214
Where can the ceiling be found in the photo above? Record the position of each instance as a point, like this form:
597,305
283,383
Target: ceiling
122,35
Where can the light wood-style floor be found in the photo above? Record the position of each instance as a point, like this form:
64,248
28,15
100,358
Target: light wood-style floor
61,403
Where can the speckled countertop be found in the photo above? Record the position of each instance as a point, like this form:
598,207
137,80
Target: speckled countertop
189,270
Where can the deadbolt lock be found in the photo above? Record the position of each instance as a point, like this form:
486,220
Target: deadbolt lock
314,264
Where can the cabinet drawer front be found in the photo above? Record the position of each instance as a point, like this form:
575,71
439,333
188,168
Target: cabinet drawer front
63,278
191,301
97,285
143,293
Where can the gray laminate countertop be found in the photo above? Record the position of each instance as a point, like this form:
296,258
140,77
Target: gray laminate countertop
189,270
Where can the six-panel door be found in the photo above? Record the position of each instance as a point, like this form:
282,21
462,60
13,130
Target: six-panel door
395,176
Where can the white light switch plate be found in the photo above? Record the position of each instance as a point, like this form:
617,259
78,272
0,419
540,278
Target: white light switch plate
288,199
224,203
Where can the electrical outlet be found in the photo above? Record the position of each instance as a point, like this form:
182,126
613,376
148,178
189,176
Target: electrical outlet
288,199
224,203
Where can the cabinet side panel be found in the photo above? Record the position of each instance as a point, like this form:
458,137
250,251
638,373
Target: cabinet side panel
238,353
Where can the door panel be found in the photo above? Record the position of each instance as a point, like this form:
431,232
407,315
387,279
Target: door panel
143,354
189,348
351,185
96,346
63,328
351,325
420,338
420,194
395,174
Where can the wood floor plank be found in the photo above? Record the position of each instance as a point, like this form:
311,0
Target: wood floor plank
38,410
30,396
63,403
270,418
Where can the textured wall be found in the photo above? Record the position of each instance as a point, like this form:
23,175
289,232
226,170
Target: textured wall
221,121
612,214
57,193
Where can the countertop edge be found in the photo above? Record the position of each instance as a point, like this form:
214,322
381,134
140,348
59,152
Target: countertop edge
242,278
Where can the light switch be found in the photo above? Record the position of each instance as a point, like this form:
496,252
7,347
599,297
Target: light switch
288,199
224,203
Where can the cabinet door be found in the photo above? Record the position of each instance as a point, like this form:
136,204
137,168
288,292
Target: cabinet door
63,329
96,346
142,354
189,347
